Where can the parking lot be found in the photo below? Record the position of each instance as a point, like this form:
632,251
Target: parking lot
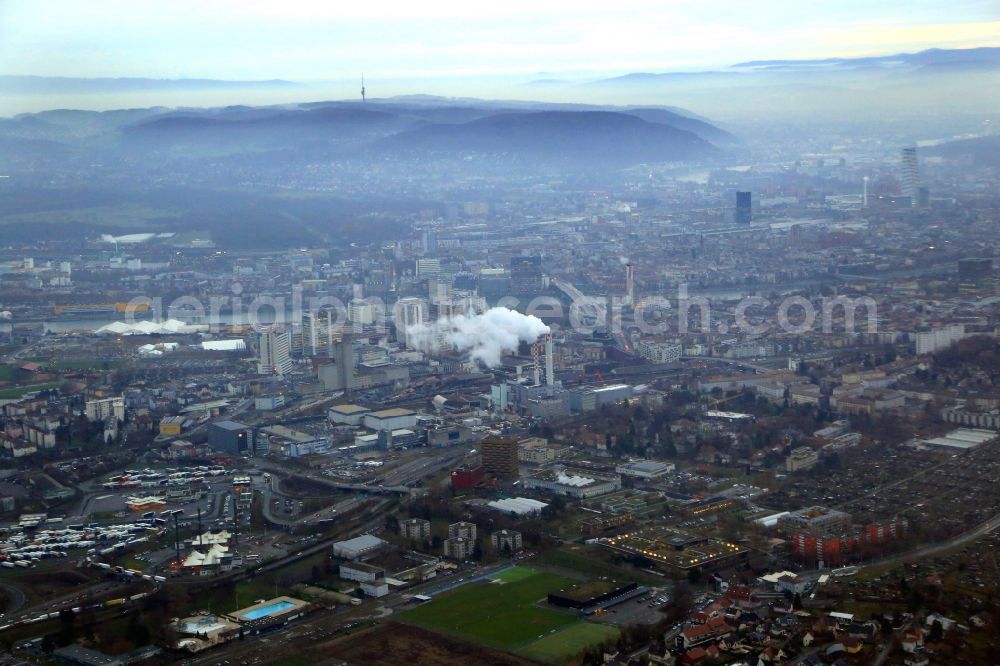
643,610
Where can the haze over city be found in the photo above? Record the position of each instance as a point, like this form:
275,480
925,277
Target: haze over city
443,47
536,333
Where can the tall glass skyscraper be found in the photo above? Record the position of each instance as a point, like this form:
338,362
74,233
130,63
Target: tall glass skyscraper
911,175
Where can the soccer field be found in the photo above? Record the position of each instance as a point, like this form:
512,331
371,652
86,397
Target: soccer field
515,574
500,615
563,644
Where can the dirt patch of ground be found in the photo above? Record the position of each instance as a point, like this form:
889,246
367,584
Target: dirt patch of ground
383,645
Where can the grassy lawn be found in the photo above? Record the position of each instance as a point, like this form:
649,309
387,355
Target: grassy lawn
502,616
81,364
130,562
561,646
516,574
130,217
227,599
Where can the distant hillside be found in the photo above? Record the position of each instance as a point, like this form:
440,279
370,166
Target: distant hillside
648,77
982,151
410,128
17,150
237,128
703,129
595,136
928,58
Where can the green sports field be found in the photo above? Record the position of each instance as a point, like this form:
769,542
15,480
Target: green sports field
515,574
557,648
505,615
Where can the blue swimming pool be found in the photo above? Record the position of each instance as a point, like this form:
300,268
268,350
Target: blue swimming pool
268,610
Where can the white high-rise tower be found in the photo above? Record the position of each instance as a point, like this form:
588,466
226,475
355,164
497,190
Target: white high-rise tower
275,356
409,312
629,284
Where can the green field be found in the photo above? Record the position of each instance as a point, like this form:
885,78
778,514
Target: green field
502,616
515,574
559,647
129,217
79,364
229,598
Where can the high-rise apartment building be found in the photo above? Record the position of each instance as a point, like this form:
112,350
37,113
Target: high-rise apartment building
105,409
462,530
274,357
507,540
500,457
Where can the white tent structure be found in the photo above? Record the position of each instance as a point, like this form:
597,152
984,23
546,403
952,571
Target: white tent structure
168,327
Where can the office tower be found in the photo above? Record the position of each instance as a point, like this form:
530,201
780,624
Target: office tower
911,175
494,283
364,311
408,313
864,193
430,242
275,352
550,372
464,304
525,275
629,284
464,281
500,457
923,197
438,289
317,332
499,398
743,214
428,268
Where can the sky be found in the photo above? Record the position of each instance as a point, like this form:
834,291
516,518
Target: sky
336,39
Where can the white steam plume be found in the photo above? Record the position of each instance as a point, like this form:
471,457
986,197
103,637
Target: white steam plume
485,337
